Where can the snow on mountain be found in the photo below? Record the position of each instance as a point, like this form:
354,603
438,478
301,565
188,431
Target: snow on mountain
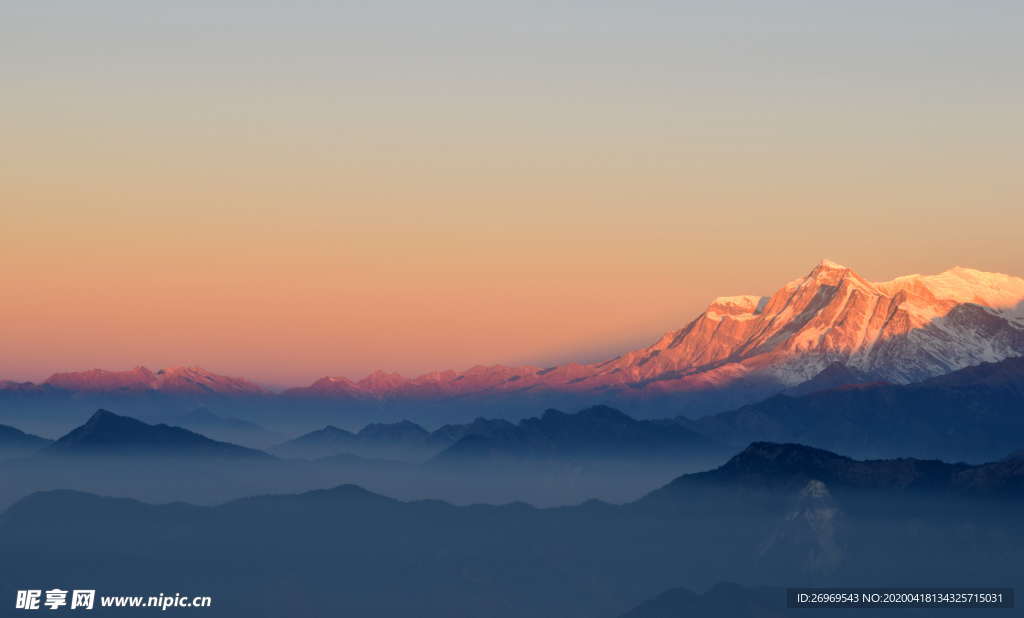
903,330
181,380
101,380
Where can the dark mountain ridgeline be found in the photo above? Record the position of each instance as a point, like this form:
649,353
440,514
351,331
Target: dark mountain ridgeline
117,455
403,440
595,433
108,434
973,414
772,467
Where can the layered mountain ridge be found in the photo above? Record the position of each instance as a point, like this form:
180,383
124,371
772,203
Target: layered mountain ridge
774,514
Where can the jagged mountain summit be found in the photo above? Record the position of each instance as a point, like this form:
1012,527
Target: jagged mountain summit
830,327
903,330
802,481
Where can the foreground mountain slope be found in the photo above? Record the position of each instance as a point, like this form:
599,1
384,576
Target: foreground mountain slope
769,466
346,550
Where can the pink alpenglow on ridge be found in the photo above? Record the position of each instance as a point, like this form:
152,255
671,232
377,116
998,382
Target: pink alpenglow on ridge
902,330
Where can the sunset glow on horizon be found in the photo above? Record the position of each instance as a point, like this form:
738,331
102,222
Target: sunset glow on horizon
287,192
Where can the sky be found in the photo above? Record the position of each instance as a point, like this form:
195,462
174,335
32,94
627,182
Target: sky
286,190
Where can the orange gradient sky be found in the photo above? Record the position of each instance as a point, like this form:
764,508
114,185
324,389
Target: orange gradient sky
330,188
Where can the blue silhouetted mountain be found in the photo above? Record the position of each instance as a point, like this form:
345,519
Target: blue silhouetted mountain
973,414
345,551
324,442
598,432
772,465
225,428
403,440
452,433
374,440
772,468
106,433
402,432
14,442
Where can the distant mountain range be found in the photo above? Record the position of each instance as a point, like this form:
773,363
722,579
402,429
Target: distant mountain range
555,459
180,380
226,428
775,515
821,330
15,443
973,414
107,434
403,441
596,433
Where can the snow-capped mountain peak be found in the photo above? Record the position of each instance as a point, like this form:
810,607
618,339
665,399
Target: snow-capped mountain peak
901,330
182,380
